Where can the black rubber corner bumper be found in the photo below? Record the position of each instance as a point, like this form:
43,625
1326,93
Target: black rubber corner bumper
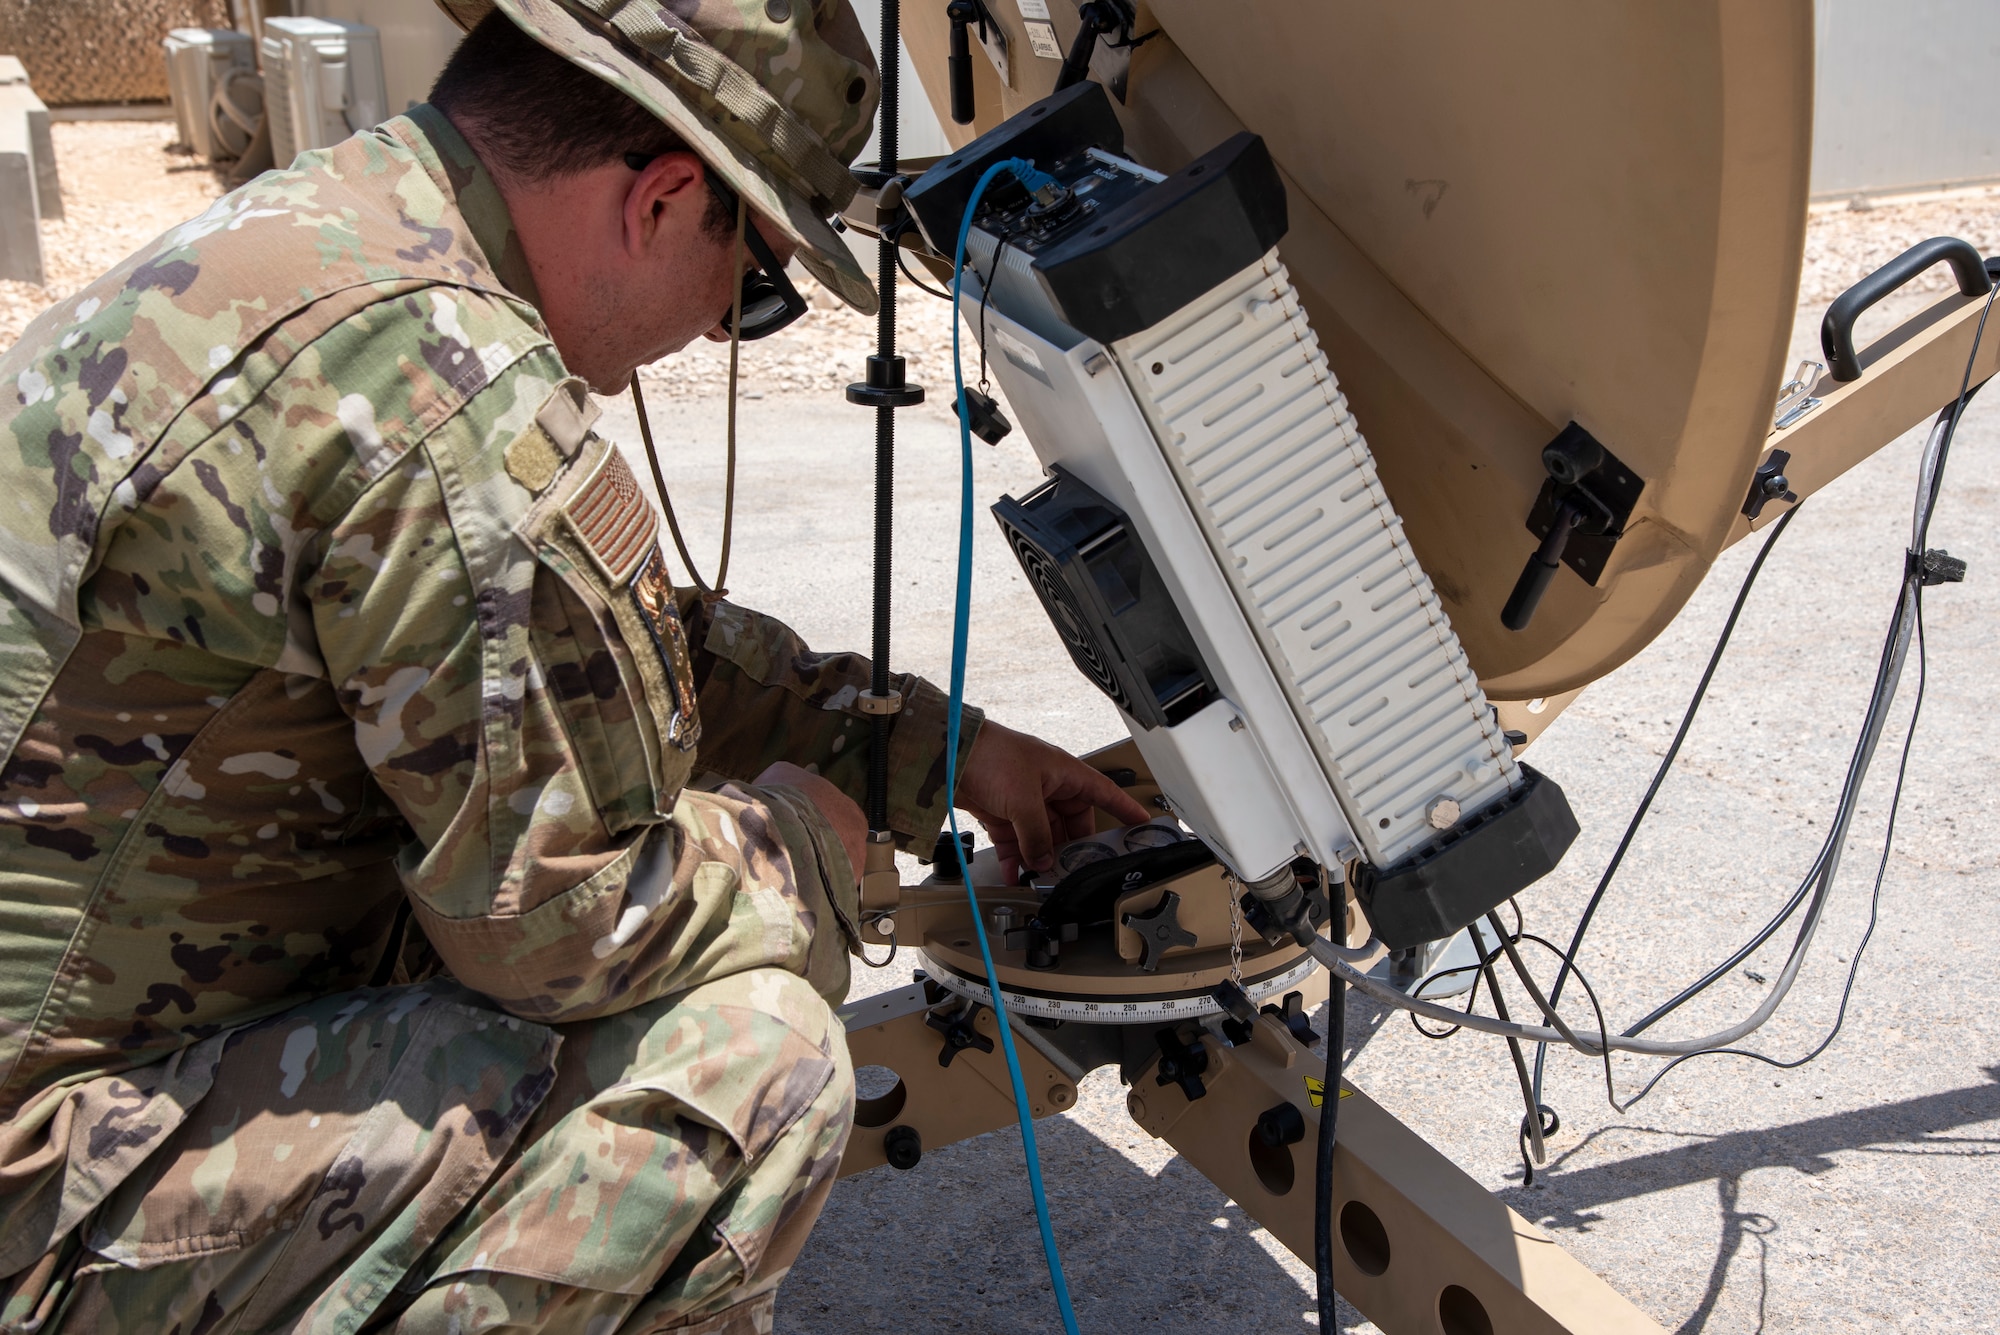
1471,869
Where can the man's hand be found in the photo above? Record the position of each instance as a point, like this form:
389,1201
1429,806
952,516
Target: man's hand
1031,796
838,808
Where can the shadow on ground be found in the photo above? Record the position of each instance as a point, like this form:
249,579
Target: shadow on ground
952,1246
1908,1126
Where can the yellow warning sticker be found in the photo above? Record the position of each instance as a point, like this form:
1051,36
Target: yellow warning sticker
1316,1091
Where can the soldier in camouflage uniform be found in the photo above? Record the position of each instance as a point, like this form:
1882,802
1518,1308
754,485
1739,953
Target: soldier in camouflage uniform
331,627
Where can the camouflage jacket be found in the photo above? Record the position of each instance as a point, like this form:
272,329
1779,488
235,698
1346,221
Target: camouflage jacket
318,589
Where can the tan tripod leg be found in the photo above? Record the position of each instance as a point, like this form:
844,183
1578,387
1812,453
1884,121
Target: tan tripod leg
1419,1246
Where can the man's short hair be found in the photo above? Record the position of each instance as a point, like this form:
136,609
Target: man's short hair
539,118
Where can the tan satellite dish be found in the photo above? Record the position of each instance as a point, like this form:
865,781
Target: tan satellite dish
1505,218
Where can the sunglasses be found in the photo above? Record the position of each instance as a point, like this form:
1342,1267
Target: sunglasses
770,302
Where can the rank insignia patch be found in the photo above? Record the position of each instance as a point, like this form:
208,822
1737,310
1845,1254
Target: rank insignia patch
653,595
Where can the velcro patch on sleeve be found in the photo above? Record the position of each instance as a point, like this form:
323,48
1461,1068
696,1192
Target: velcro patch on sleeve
615,520
533,460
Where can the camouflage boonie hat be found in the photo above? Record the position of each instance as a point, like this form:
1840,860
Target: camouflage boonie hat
778,96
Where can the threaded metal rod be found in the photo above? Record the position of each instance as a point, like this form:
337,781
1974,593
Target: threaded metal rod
885,431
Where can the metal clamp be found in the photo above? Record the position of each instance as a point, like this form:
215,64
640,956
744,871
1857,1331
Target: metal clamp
1796,399
891,703
881,882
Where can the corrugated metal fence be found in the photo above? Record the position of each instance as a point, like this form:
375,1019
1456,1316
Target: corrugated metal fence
1908,96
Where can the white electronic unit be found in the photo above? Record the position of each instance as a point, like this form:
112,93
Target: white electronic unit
1213,543
322,82
199,61
417,39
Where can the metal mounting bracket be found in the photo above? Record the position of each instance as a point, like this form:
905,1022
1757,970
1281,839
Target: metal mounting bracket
1609,491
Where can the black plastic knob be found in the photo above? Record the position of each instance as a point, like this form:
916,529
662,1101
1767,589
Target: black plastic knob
903,1147
1571,457
963,14
944,858
1282,1125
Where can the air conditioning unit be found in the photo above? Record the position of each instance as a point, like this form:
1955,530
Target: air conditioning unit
199,60
417,40
322,82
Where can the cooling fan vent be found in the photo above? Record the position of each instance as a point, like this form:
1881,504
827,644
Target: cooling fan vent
1078,636
1106,599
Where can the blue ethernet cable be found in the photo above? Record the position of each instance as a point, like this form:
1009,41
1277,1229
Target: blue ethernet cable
1025,172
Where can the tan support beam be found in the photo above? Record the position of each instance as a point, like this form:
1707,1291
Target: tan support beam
1906,376
941,1104
1420,1248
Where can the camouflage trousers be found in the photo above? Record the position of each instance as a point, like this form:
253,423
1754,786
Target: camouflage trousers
411,1159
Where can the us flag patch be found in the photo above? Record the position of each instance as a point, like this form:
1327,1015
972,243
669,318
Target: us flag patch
614,518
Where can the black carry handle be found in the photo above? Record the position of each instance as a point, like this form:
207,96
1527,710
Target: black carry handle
1836,332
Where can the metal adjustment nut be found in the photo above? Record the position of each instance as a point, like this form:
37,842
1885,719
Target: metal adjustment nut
1443,813
891,703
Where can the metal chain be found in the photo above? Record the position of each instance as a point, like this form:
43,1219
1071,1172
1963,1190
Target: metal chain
1235,928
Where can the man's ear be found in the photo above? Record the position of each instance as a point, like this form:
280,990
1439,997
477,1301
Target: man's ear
669,193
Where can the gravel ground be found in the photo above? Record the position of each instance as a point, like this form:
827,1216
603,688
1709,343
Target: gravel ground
123,185
1847,1195
1846,242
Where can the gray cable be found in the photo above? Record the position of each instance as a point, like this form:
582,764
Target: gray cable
1594,1043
